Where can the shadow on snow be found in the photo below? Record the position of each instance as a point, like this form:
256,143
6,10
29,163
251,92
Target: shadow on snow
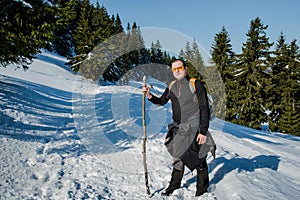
38,113
238,164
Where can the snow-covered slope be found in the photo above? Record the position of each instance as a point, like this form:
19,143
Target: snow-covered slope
62,137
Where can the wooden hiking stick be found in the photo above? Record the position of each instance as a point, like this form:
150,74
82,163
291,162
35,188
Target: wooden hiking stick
145,138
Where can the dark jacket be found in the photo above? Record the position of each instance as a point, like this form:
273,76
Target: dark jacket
184,103
190,117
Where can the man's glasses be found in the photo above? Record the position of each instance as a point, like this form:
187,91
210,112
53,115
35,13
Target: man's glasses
180,68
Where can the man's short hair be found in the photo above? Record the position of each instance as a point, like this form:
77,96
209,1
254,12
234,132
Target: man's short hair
178,59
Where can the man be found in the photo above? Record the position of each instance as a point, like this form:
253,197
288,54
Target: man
189,128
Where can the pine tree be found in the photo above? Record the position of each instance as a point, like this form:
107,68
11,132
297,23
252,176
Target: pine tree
135,44
83,36
277,86
101,24
284,90
25,28
123,61
223,58
222,54
94,27
63,43
157,68
197,58
117,24
252,76
188,53
133,49
293,109
194,60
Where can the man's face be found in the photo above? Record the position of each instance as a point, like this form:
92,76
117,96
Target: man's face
179,71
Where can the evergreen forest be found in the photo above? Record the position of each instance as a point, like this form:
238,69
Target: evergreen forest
261,84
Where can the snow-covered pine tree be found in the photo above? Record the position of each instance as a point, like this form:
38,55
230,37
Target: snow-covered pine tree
252,76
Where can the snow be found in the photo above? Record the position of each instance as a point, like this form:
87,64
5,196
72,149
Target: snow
63,137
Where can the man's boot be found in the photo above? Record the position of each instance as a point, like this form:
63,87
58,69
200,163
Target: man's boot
174,183
202,181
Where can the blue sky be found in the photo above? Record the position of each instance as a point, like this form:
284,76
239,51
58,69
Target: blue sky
202,20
